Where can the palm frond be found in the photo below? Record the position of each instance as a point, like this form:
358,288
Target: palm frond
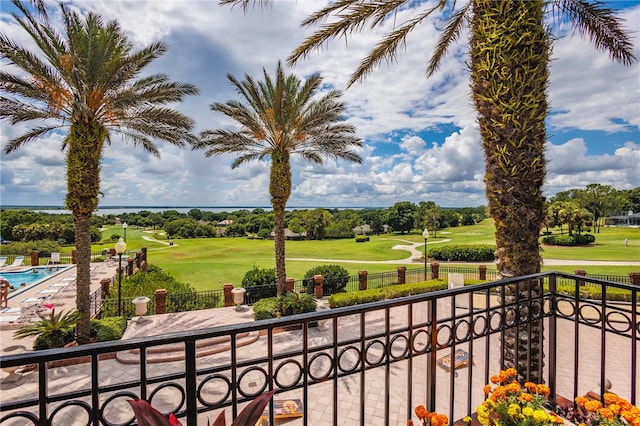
601,25
30,135
451,33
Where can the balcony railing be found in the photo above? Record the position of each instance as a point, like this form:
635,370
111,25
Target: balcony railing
368,364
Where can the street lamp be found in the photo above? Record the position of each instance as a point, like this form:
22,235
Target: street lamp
121,247
124,228
425,235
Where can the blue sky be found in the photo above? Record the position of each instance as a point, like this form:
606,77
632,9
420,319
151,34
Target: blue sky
421,138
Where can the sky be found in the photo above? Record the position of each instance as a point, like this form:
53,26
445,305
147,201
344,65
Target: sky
421,139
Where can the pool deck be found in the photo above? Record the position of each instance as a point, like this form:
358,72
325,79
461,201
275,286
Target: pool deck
58,290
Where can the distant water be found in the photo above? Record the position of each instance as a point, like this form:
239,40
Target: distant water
135,209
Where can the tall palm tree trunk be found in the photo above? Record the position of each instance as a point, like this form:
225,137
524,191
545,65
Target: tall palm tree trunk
83,160
510,51
280,189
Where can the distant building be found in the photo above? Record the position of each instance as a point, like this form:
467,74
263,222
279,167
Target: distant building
290,235
225,222
631,220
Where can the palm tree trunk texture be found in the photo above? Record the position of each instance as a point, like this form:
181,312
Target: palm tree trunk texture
83,182
280,189
510,51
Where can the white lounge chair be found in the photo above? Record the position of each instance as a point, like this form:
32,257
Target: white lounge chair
55,259
17,261
3,261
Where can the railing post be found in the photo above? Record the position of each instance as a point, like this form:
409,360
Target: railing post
582,273
228,296
482,269
362,280
290,285
435,270
402,274
318,281
634,278
432,317
161,301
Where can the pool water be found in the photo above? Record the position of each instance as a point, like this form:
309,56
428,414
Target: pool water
30,276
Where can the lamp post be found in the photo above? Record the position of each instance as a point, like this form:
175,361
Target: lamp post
425,235
121,247
124,228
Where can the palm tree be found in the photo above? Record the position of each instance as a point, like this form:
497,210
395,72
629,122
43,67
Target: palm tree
87,81
509,49
279,119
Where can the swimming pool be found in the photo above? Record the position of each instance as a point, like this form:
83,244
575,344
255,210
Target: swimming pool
30,277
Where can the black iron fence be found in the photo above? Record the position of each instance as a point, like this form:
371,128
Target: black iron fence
361,365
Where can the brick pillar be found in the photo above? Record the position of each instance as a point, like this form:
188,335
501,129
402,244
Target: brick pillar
228,296
362,280
435,270
290,285
112,252
161,301
402,270
582,273
143,252
130,268
35,258
73,257
318,281
105,285
138,258
482,269
634,277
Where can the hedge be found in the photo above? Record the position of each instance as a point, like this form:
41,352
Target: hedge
339,300
568,240
465,253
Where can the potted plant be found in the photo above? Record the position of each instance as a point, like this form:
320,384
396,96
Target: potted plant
54,330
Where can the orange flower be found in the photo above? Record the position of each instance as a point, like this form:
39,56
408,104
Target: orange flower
610,398
511,372
593,405
513,387
487,389
543,390
530,386
495,379
421,412
498,393
525,397
606,413
439,419
581,400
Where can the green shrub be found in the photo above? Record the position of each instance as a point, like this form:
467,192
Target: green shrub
335,277
595,292
292,303
259,283
569,240
464,253
110,328
339,300
265,308
362,239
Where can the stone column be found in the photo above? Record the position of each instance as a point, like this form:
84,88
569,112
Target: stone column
228,296
35,258
435,270
290,285
402,270
582,273
482,269
634,277
161,301
105,285
130,267
362,280
318,281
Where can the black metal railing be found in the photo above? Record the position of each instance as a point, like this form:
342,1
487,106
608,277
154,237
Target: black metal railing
373,361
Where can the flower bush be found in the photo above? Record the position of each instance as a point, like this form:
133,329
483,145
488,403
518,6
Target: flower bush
616,411
508,403
429,419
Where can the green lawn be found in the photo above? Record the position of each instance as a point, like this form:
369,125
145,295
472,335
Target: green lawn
210,262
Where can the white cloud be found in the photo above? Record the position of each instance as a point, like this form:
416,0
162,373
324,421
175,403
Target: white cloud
421,137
